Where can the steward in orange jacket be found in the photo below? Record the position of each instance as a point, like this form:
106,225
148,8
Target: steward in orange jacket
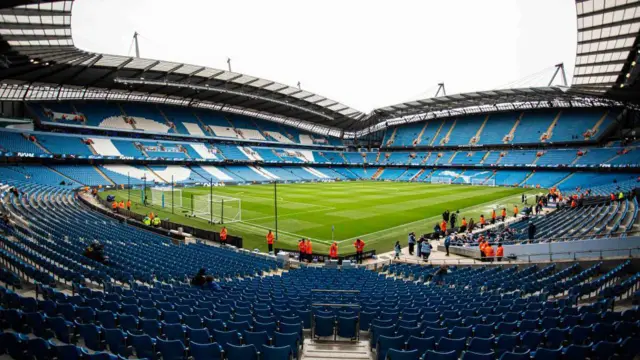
500,252
333,251
302,248
483,222
270,238
128,204
503,213
359,245
114,205
493,216
223,235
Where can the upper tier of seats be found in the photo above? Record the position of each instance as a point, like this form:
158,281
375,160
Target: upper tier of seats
54,143
532,127
165,119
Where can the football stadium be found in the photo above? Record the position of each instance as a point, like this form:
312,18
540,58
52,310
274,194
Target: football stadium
159,209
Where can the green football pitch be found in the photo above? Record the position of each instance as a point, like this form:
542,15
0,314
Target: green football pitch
378,212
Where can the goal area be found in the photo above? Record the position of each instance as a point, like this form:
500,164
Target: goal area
441,180
216,208
166,197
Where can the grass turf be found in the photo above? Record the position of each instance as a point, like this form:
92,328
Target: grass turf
378,212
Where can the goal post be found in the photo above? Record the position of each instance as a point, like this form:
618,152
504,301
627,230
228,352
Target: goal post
216,208
166,197
484,182
441,180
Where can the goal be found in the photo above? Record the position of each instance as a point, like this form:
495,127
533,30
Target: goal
216,208
440,180
166,197
485,182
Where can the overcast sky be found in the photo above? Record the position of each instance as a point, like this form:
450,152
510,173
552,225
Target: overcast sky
363,53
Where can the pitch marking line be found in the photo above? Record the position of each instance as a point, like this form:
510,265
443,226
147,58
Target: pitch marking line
287,215
427,219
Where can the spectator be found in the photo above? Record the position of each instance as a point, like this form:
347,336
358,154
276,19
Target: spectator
211,285
426,250
452,220
200,278
398,250
531,230
472,224
447,243
420,242
436,234
412,242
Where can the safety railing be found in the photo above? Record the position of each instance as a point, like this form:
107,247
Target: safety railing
629,253
335,323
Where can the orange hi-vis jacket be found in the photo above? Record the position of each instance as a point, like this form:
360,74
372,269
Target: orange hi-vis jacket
223,234
151,215
613,197
482,221
488,251
308,247
270,238
482,245
573,203
302,246
333,251
504,212
500,252
121,205
443,226
464,222
114,205
128,203
493,214
359,245
515,210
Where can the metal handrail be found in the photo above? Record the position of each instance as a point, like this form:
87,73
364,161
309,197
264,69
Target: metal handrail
335,331
478,260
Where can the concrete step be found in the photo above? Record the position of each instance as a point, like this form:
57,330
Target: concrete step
340,349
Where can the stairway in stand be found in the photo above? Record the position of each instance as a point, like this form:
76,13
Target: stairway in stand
331,350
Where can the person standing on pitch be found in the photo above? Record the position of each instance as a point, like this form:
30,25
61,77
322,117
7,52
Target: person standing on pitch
270,239
412,242
223,236
333,251
309,249
359,245
302,248
398,250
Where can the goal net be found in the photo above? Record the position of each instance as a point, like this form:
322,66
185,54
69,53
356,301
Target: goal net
220,209
440,180
485,182
166,197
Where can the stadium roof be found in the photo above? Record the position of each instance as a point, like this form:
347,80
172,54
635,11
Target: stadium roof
42,52
38,61
608,33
